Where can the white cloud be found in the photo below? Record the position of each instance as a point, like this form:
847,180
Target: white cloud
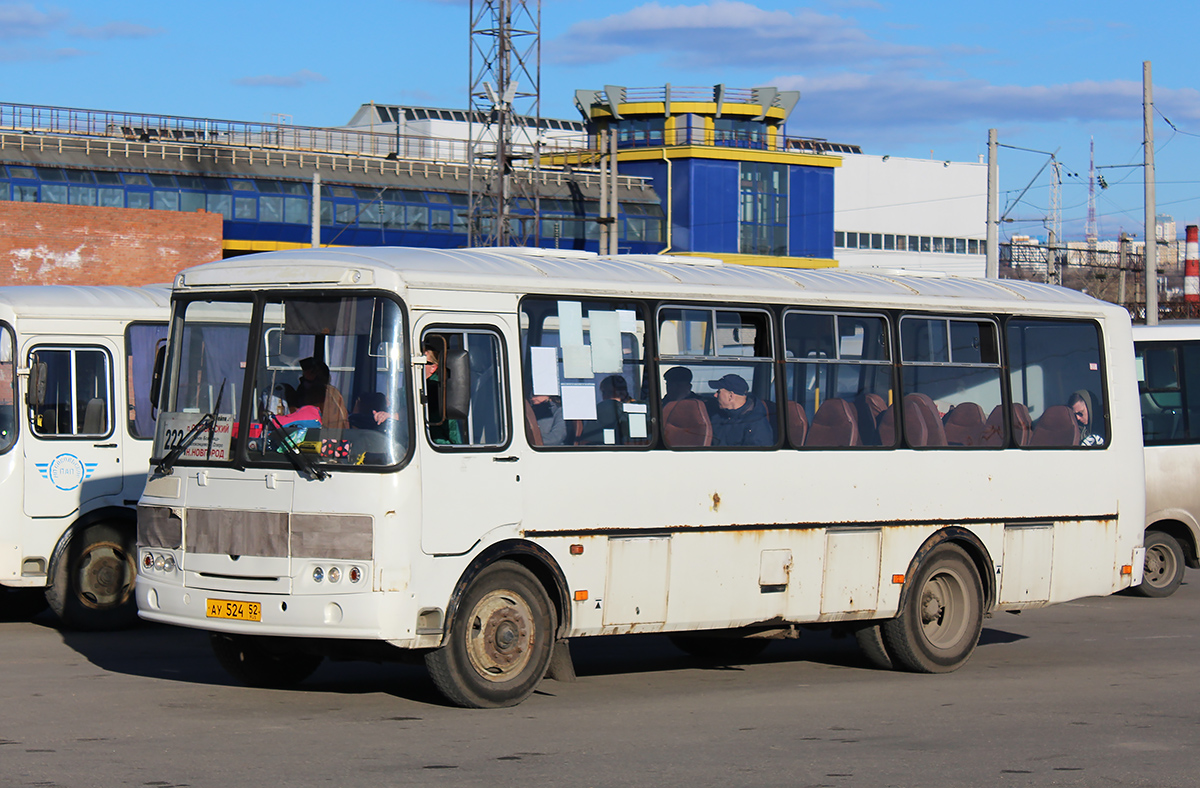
293,80
726,33
116,30
23,20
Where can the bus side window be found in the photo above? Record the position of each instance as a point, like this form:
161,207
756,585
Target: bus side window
463,393
1057,374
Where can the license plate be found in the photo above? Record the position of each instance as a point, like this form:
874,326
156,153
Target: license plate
228,608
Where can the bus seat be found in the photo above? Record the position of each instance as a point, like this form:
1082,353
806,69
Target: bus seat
686,423
887,426
964,425
532,431
1022,423
797,423
993,428
920,407
93,417
870,411
834,424
1056,427
333,410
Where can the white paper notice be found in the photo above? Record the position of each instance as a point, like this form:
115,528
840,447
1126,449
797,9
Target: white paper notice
605,332
570,323
544,361
579,402
577,361
627,318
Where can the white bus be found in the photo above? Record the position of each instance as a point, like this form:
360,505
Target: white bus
76,427
496,450
1168,372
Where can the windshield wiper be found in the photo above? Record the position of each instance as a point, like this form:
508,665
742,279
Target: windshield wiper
206,421
300,461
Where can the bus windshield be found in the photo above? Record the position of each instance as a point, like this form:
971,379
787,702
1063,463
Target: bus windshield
324,376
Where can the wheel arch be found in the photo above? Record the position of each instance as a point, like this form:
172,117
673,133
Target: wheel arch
1182,533
975,550
120,516
529,555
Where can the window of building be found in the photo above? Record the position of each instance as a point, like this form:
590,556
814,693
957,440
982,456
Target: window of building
763,210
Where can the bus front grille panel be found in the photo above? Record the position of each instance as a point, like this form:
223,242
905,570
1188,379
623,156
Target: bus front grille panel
237,533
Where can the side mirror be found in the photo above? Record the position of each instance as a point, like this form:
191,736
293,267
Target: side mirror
457,384
160,361
35,396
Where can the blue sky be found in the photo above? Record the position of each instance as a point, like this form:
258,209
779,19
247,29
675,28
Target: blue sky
919,79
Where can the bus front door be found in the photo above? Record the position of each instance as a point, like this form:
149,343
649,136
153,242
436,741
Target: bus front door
469,464
73,450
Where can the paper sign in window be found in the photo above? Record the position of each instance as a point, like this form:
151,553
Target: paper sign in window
579,402
577,361
627,319
544,361
570,323
635,414
605,332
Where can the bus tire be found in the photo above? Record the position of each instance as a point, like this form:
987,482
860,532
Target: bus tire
1163,570
720,650
256,663
941,617
870,642
500,641
91,586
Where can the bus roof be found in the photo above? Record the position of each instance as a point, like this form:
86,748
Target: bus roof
1169,330
86,301
531,270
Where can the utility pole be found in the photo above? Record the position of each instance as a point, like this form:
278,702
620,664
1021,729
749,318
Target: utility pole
992,269
1122,263
1151,235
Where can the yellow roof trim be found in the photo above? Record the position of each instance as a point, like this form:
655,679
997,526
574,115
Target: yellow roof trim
727,154
769,261
686,107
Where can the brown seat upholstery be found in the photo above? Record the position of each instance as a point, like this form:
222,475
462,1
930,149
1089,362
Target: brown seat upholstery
870,410
834,424
686,423
920,408
1022,424
1056,427
964,425
993,428
333,410
797,423
532,431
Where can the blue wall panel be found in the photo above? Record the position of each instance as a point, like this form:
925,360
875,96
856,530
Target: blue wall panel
810,232
714,195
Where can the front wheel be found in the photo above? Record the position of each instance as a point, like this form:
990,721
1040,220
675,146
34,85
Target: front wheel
92,585
1163,570
942,614
500,642
263,662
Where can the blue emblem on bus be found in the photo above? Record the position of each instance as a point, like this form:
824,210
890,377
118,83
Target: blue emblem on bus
66,471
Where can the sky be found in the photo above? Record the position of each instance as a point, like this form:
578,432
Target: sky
921,79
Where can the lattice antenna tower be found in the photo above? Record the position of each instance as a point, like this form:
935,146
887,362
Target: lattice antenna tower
504,121
1090,230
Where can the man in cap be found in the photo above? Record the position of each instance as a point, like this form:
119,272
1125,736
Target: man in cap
741,419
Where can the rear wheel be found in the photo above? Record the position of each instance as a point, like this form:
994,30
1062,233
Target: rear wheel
500,642
941,616
1163,570
92,585
260,662
870,642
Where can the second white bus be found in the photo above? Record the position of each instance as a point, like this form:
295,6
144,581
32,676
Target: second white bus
473,456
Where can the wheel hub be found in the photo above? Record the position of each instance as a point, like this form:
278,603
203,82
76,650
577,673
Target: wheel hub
932,608
105,575
500,642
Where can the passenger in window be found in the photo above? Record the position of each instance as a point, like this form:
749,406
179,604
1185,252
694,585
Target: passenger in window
678,385
371,411
1082,404
548,413
441,430
741,419
612,424
314,388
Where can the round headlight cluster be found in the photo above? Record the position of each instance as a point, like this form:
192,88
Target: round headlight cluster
158,562
334,574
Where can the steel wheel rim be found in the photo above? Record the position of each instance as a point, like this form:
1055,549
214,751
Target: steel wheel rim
1160,565
944,609
105,575
500,635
